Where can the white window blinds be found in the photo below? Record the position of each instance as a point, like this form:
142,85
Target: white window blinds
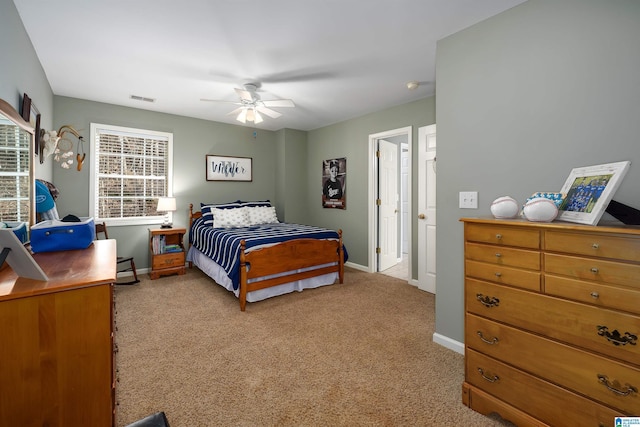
14,173
131,169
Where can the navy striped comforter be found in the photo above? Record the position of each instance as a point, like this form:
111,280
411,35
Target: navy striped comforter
222,245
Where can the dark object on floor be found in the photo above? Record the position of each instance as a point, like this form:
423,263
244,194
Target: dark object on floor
159,419
624,213
102,229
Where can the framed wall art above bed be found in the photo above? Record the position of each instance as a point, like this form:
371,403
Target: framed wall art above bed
224,168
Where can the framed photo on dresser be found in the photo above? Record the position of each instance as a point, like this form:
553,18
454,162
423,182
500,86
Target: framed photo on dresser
589,190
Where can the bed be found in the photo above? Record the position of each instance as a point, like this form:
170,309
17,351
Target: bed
251,254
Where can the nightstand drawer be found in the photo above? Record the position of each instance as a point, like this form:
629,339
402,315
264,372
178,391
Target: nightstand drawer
168,260
502,235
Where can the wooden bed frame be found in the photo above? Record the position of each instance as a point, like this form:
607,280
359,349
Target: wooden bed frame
283,257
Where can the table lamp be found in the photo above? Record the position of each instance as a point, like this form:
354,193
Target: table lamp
166,205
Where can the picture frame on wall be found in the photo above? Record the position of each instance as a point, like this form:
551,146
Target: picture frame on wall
334,183
31,114
226,168
589,190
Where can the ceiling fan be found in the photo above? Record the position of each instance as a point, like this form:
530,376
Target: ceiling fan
251,105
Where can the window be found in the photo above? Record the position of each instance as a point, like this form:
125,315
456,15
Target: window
131,168
14,172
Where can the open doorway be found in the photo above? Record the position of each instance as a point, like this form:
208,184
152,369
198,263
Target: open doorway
390,202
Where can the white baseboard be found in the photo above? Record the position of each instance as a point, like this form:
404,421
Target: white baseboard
357,266
447,342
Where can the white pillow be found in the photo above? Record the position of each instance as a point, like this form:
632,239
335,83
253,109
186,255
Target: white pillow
228,218
262,215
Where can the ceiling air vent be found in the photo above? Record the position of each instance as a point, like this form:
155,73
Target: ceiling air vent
142,98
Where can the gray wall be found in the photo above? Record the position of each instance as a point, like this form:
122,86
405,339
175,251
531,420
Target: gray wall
523,98
193,139
350,139
22,72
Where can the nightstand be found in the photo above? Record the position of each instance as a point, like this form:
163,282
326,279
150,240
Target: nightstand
166,247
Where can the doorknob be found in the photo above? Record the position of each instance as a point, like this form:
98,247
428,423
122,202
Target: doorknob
421,216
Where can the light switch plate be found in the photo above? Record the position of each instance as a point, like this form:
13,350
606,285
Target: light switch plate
468,200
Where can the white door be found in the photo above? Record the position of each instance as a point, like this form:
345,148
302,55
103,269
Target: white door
427,208
388,212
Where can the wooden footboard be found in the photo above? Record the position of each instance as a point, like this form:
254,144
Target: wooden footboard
289,257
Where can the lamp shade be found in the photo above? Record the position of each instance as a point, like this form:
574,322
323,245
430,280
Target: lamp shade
166,204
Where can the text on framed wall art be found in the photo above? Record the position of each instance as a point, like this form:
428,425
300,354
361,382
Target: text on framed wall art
223,168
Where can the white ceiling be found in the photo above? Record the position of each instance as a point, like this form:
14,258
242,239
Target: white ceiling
336,59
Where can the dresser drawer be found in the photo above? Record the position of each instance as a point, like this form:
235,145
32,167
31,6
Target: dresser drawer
580,371
611,272
501,255
167,260
599,294
502,235
527,279
593,244
605,331
545,401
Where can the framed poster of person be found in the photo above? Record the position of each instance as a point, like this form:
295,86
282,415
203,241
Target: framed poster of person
334,183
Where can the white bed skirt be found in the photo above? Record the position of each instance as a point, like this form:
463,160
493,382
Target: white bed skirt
213,270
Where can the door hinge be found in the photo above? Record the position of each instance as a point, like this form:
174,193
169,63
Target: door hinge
378,153
378,202
378,250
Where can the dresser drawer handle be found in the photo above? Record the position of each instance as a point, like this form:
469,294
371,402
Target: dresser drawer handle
594,270
615,338
612,386
498,255
492,341
595,295
492,379
595,245
488,301
498,274
498,236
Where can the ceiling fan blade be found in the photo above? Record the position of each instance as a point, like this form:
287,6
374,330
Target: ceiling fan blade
245,95
279,103
271,113
236,111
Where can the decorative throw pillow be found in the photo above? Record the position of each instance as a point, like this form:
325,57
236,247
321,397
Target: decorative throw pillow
207,213
228,218
262,215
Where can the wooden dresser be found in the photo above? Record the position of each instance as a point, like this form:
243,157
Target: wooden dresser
57,343
552,319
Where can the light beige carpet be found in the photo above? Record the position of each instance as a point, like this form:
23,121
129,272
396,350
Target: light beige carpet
353,354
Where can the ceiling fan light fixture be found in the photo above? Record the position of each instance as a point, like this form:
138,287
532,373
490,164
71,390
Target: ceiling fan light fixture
257,118
250,114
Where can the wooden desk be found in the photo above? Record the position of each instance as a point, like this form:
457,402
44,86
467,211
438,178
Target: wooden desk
57,359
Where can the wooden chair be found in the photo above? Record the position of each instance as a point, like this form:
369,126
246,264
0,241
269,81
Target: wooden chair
101,230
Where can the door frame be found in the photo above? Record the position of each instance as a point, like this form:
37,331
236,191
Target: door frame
372,235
